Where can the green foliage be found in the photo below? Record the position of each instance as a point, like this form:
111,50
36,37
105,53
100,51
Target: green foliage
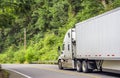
8,57
116,3
19,56
46,22
7,20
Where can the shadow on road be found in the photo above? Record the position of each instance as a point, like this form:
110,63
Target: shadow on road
70,69
104,73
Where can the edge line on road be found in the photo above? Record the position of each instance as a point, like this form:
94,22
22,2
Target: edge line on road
19,73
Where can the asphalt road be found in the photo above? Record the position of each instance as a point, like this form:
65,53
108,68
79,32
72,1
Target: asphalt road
52,71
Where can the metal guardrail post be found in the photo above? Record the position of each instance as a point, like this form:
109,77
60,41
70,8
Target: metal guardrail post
0,67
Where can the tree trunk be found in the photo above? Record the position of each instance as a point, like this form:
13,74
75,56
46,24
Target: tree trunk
104,3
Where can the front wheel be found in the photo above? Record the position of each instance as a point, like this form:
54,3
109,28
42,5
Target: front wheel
60,64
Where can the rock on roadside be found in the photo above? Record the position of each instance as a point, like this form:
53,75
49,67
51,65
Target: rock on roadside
4,74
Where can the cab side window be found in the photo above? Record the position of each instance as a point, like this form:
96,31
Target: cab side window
69,35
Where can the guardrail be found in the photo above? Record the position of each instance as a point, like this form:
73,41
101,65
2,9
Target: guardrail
44,62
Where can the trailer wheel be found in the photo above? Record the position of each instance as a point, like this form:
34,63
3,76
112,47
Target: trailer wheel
79,66
85,66
60,64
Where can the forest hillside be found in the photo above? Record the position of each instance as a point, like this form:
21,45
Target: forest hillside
31,30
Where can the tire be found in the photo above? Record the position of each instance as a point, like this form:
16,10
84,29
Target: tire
85,67
79,66
60,64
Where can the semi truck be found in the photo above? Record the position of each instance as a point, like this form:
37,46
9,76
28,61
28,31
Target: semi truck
93,44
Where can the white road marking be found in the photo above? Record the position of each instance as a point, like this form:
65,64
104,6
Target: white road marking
19,73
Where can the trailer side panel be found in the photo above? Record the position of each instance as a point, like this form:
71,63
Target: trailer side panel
99,38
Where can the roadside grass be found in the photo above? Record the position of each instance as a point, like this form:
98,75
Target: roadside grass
4,74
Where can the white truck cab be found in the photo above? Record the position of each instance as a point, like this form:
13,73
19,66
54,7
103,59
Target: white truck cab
68,48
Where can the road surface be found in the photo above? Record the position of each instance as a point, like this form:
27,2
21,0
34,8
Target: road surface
52,71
